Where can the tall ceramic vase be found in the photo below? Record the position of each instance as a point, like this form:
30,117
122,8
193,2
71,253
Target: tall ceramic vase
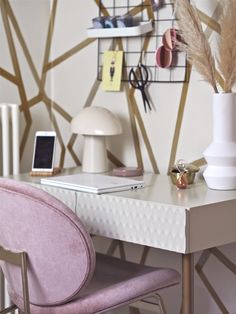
220,173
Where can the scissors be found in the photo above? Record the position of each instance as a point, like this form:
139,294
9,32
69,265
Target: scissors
140,83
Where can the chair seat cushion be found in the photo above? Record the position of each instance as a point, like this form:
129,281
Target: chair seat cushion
115,282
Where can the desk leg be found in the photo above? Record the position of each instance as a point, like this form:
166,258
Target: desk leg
187,284
2,291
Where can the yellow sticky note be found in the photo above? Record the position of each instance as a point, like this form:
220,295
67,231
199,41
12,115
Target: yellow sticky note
112,70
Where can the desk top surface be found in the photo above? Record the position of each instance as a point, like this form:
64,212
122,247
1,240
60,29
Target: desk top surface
158,215
159,189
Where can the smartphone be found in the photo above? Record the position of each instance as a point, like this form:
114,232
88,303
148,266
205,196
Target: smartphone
44,151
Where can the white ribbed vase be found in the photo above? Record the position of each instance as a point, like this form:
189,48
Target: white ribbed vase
220,155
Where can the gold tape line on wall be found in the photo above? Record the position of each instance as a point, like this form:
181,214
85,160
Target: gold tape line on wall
48,101
114,245
212,24
73,137
132,106
199,162
13,53
8,76
144,255
32,67
211,21
114,159
133,101
215,25
48,65
179,119
21,89
71,151
133,127
144,135
41,96
35,100
51,105
139,118
102,7
134,11
23,44
204,257
57,129
48,43
87,103
68,54
46,56
131,115
94,88
134,113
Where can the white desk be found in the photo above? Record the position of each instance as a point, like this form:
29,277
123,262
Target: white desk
159,216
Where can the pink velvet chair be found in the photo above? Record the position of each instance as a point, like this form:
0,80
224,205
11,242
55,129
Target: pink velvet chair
50,265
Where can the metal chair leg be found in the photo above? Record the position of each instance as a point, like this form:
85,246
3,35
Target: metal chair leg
25,282
150,303
161,303
19,259
13,305
2,290
8,309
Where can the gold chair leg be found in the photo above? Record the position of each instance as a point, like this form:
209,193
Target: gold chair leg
9,309
150,303
161,304
19,259
25,283
12,304
2,290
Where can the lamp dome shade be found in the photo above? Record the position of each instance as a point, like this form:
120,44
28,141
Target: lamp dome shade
96,121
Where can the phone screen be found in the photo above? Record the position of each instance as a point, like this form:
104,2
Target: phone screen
43,157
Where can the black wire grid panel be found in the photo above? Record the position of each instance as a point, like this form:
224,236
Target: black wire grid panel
132,46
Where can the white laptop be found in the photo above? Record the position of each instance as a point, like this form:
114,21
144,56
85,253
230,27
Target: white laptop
93,183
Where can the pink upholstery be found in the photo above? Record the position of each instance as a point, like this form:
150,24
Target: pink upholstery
62,279
115,283
61,253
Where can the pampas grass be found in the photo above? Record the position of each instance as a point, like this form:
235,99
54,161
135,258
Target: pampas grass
227,45
194,42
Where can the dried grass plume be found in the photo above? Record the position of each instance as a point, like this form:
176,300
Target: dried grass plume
227,45
195,43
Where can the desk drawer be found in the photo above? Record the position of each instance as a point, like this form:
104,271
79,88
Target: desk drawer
137,221
68,197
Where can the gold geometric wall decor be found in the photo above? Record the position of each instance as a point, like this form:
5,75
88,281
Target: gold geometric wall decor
199,268
13,33
136,121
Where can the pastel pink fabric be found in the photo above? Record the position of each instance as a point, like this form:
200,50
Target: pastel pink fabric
61,258
61,253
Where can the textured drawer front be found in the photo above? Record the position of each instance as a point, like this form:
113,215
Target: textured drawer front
68,197
137,221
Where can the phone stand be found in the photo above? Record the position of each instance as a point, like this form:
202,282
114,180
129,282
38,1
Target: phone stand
55,171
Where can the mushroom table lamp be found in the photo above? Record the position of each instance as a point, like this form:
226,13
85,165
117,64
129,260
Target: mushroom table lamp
95,123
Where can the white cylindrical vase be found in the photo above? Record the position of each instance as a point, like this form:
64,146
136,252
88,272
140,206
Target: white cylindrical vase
220,173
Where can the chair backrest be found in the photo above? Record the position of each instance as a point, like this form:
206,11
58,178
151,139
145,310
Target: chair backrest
61,257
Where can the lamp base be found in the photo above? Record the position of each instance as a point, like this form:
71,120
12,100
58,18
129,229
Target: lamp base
94,155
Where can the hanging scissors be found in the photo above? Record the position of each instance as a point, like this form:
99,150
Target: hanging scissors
139,82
